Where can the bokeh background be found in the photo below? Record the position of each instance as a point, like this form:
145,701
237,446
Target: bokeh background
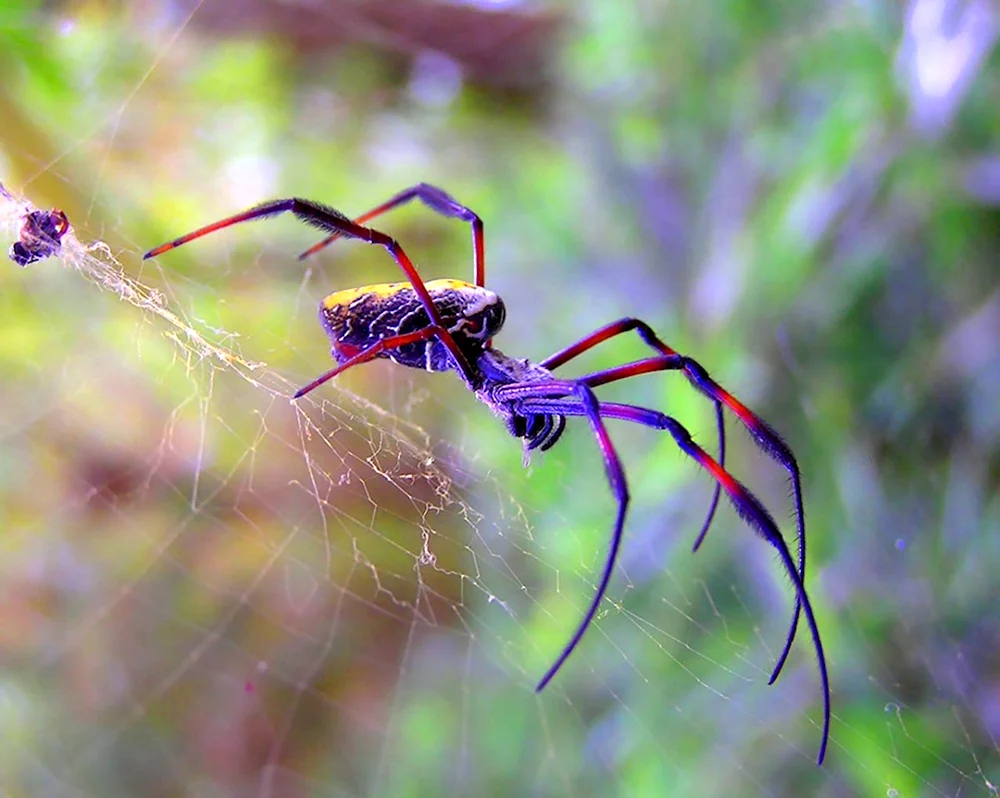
208,591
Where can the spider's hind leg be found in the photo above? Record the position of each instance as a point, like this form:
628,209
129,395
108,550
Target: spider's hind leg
439,201
746,504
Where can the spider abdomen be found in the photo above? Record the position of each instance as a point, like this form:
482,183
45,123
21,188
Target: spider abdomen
357,318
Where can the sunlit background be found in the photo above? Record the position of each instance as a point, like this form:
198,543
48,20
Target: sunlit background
207,590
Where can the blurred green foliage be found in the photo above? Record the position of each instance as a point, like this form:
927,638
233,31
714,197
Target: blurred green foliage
208,591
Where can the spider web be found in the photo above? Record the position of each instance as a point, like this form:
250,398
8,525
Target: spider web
210,589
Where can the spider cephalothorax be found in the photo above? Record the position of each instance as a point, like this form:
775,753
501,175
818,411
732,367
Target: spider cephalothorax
539,430
446,325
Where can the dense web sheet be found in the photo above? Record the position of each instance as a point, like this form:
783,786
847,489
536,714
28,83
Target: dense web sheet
225,590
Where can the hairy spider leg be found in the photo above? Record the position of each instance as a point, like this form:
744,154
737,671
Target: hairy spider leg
586,405
373,351
746,504
651,339
763,434
437,200
332,220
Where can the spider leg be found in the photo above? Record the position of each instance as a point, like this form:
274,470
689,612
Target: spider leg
437,200
333,221
764,436
373,351
746,504
586,405
651,339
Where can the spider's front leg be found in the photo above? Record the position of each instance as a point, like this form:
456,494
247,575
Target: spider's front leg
746,504
520,395
650,338
766,438
762,433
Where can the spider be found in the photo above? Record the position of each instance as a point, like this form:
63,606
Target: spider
449,325
40,235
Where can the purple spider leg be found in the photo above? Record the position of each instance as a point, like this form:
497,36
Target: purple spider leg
331,220
587,405
764,436
746,504
373,351
437,200
651,339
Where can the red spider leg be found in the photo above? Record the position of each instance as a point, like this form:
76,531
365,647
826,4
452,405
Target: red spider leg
765,437
746,504
373,351
437,200
651,339
331,220
586,405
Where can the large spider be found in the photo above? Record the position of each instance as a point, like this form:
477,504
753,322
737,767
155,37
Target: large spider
448,325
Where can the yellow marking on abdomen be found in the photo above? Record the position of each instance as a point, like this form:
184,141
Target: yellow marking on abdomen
383,290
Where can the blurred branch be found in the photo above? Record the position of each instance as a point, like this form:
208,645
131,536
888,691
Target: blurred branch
944,48
503,49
